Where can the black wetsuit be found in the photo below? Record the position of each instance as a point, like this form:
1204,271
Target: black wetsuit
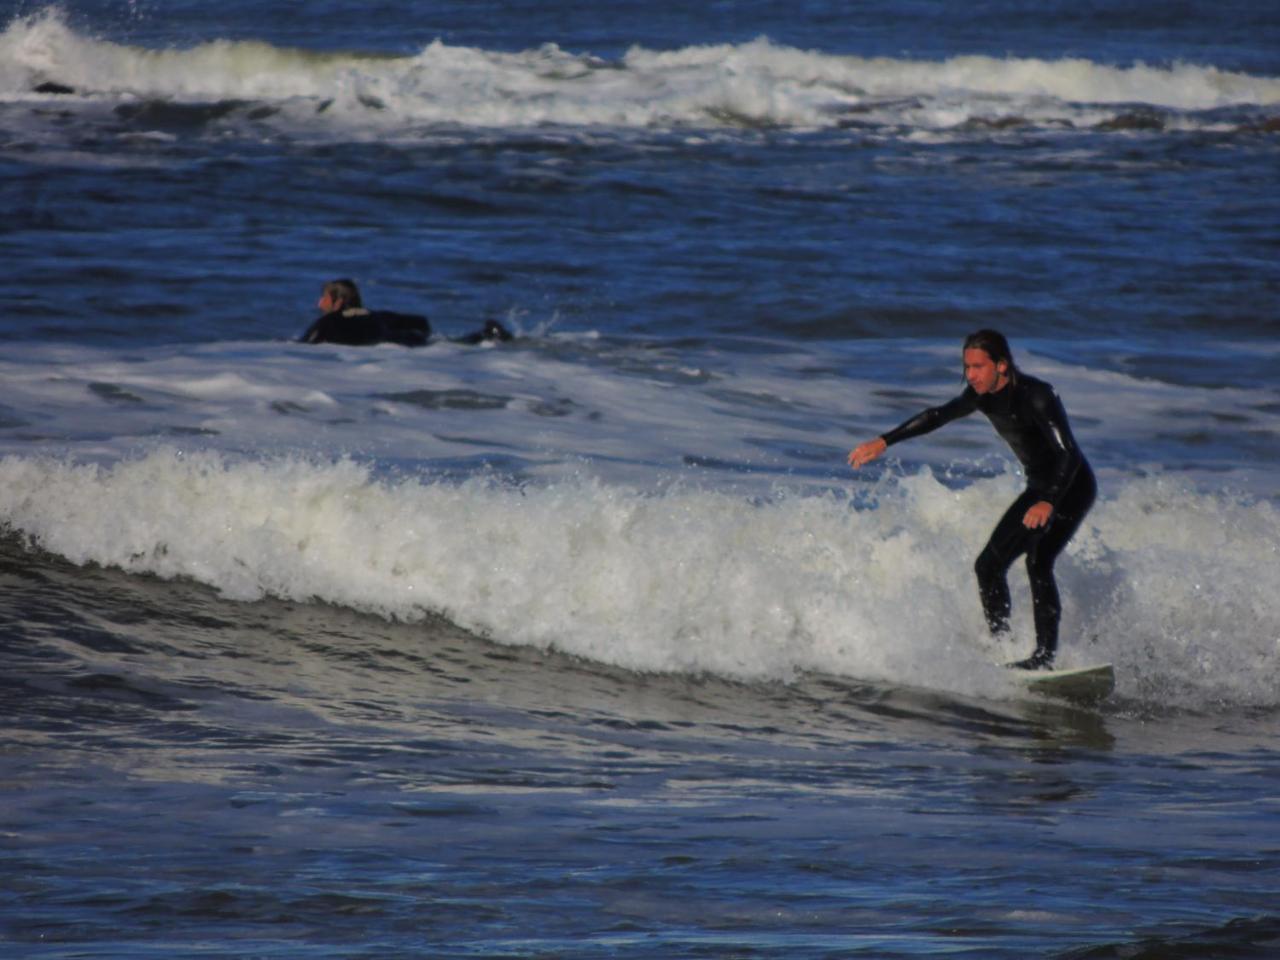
1029,416
358,327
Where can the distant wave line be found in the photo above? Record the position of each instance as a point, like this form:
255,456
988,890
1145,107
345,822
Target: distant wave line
754,84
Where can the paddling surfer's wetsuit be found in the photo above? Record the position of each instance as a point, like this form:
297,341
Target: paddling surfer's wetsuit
358,327
1029,416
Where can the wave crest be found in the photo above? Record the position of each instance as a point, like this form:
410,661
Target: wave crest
757,84
688,580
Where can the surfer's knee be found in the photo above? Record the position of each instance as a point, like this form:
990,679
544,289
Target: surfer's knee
989,566
1040,565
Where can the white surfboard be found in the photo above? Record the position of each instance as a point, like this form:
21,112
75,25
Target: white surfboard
1084,684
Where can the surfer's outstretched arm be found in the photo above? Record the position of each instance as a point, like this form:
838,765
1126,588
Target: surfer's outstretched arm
924,422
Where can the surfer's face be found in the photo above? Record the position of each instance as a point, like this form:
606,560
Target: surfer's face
331,300
984,375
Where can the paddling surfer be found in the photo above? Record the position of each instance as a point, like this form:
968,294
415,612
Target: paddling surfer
1028,415
344,319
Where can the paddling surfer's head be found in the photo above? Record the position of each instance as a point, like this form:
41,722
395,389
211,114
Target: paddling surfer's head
339,295
988,361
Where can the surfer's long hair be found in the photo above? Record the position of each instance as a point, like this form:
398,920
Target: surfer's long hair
344,290
995,346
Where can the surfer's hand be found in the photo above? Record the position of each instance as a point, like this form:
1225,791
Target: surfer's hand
866,452
1038,515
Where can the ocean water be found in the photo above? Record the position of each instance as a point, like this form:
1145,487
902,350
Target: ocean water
590,644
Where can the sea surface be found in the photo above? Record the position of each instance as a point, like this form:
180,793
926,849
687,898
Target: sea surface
590,644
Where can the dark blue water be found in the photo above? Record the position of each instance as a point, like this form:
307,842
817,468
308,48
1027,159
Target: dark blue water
589,644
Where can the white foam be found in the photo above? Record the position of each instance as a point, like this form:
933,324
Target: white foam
1178,586
752,84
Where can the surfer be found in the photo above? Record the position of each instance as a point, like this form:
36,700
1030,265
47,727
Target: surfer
1028,415
344,319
